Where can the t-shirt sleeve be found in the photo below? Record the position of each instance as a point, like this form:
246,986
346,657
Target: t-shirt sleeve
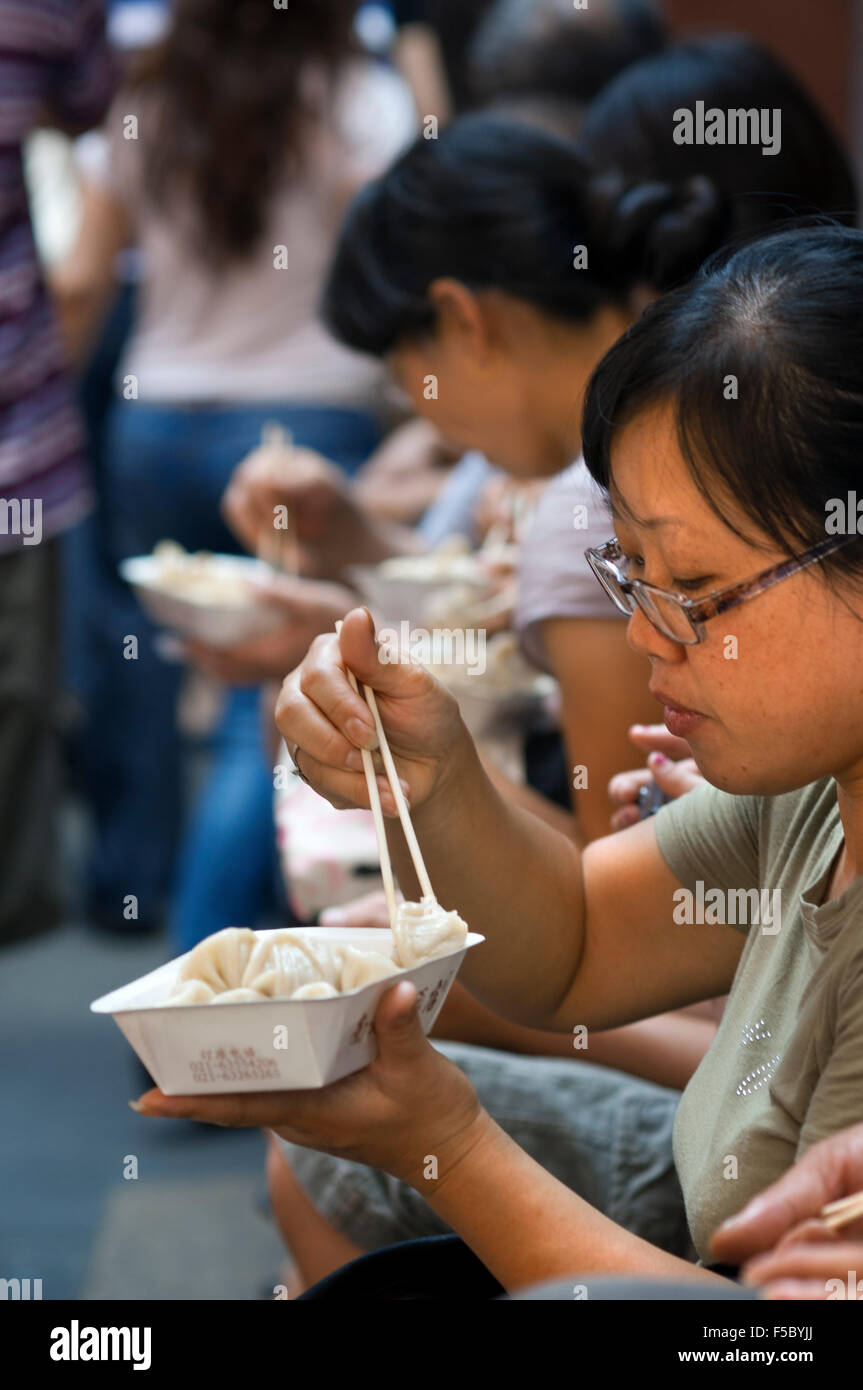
711,837
555,580
84,77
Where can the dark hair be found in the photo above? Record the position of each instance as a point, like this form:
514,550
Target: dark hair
784,317
525,48
230,112
500,205
630,127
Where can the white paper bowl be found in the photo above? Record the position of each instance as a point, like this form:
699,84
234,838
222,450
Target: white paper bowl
195,1049
220,625
391,600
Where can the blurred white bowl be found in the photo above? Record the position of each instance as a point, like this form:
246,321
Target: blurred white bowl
218,624
393,598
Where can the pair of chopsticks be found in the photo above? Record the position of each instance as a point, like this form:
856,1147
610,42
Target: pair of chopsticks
843,1212
279,549
401,805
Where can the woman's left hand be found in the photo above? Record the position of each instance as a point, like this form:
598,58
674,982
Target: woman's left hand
409,1105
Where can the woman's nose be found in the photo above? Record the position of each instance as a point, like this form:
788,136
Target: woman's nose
648,641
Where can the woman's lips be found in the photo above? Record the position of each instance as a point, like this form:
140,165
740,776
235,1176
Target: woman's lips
679,719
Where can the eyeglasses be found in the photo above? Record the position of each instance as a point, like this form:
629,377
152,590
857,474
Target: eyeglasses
677,617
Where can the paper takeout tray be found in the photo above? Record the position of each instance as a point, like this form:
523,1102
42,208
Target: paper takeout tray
272,1045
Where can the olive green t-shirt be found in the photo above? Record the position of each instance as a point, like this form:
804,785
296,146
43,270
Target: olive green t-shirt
786,1066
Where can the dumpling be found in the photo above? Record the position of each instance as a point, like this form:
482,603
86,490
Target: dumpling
320,990
363,967
191,992
237,996
282,964
219,960
425,930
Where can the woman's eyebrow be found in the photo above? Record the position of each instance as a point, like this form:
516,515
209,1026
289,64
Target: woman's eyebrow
625,514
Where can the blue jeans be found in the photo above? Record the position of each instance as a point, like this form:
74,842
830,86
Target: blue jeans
164,472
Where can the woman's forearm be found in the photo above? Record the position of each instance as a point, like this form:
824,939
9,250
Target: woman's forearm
512,878
665,1049
526,1227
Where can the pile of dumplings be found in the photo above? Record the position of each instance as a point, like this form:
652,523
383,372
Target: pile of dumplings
234,966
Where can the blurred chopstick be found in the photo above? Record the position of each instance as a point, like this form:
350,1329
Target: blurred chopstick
278,550
843,1212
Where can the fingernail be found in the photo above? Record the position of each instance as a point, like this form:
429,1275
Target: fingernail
657,760
136,1105
331,917
354,761
359,732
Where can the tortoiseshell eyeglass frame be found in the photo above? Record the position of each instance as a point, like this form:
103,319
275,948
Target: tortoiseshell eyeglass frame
697,611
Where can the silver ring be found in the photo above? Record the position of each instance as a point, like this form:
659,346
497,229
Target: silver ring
296,768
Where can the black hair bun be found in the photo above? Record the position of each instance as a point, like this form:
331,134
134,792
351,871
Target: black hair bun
660,231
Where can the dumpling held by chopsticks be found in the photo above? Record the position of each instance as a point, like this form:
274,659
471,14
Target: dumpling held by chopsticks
425,930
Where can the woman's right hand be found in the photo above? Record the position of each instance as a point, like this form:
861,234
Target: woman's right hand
325,723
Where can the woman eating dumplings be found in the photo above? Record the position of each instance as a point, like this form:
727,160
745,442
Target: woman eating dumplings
725,425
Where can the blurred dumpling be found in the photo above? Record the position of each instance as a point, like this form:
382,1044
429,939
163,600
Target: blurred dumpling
320,990
191,992
425,930
237,996
219,960
363,967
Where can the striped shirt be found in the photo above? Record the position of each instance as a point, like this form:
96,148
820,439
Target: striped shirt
55,66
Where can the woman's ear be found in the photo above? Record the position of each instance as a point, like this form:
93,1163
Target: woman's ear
461,323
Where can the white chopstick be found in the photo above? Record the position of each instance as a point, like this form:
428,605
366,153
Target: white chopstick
395,787
398,797
842,1213
377,816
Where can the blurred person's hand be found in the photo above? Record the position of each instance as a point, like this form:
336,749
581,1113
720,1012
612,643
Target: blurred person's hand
405,474
368,911
810,1264
778,1237
310,607
669,764
317,495
501,505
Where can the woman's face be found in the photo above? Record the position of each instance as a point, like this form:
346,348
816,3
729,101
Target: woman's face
499,376
782,704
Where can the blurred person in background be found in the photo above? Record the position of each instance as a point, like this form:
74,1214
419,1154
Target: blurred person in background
228,159
545,60
55,69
